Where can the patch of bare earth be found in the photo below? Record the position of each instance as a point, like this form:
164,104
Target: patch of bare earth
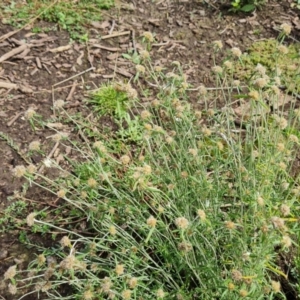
38,69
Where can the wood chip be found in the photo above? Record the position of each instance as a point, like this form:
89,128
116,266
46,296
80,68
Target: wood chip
60,49
105,48
13,52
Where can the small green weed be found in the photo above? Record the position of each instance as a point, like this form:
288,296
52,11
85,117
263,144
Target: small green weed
69,15
246,5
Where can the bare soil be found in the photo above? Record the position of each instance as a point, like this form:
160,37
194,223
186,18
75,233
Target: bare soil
183,32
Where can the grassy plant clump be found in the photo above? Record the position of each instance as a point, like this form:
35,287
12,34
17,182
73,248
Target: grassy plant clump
276,58
72,16
200,208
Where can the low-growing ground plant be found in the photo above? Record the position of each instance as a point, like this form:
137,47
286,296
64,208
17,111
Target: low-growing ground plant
200,207
72,16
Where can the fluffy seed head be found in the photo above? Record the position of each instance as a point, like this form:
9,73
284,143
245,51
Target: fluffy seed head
185,247
236,275
29,113
151,221
160,293
119,269
88,295
12,289
30,219
217,69
144,54
261,82
145,114
254,95
132,282
285,210
125,159
140,69
228,64
34,146
218,44
278,222
19,171
243,293
59,103
126,294
202,90
148,36
182,222
201,214
41,259
275,286
31,169
61,193
286,28
260,69
112,230
236,83
286,241
193,152
230,225
10,272
236,52
293,138
283,49
92,183
65,242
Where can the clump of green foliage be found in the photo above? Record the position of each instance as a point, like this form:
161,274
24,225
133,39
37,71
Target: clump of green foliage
267,53
246,5
111,100
72,16
200,208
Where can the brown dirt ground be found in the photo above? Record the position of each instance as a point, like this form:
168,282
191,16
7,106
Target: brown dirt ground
183,32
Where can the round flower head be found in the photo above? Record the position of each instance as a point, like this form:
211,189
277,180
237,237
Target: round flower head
151,221
29,113
283,49
260,69
261,82
148,36
160,294
34,146
201,214
126,294
12,289
10,273
144,54
30,219
228,64
65,242
217,69
286,241
140,69
254,95
236,52
119,269
145,114
19,171
286,28
218,45
132,282
275,286
182,222
202,90
125,159
59,103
